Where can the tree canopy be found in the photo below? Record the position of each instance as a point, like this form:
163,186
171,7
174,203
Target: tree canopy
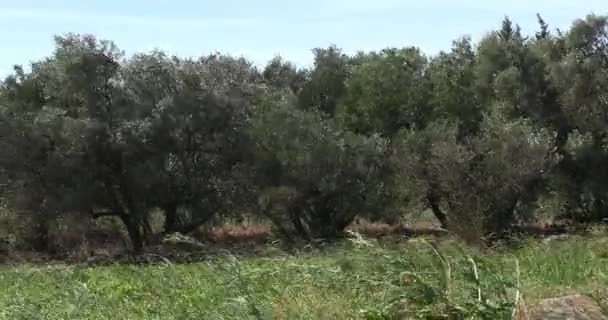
486,135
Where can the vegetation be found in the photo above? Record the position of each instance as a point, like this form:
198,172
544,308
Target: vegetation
486,135
490,137
350,281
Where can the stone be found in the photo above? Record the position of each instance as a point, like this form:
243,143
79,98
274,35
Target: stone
183,242
574,307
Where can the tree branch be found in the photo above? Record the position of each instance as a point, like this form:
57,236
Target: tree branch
190,227
97,215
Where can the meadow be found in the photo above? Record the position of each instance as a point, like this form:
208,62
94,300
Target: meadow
356,279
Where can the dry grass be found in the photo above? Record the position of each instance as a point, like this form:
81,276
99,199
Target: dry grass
381,230
234,233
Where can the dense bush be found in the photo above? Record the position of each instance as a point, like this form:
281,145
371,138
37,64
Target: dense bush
477,134
315,178
482,181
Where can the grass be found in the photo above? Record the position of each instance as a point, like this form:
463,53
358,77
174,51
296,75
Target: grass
374,280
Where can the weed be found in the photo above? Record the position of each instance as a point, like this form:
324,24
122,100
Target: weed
377,280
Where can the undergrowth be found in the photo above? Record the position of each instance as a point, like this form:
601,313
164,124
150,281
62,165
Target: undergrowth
356,280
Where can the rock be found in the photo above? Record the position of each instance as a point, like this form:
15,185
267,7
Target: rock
178,240
555,237
601,296
357,238
574,307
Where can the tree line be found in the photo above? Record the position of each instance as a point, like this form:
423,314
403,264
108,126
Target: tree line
486,135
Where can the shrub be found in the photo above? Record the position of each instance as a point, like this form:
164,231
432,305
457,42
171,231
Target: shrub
314,177
483,180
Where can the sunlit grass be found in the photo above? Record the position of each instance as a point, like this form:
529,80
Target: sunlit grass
344,282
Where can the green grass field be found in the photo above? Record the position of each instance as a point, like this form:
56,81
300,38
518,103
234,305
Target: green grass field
350,281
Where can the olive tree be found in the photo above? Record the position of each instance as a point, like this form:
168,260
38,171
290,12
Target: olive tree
314,177
482,181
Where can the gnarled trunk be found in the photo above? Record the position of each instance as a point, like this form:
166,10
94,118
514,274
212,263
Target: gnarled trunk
40,242
433,201
170,218
135,234
130,216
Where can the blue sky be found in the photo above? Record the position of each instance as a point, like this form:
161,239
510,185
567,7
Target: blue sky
261,29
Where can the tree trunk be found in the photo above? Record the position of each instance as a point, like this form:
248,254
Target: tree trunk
501,224
40,240
130,216
200,216
170,218
561,140
280,228
433,201
296,221
192,226
343,222
147,229
41,234
134,232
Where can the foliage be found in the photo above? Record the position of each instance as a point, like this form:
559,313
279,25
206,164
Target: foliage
154,132
387,91
325,86
314,177
483,180
477,134
453,95
580,78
